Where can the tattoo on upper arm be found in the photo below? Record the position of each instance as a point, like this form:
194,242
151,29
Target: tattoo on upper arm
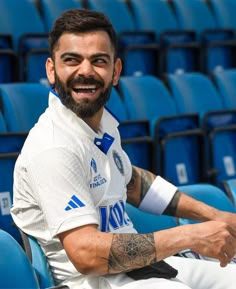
172,207
146,181
130,251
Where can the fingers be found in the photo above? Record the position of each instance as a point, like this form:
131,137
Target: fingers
228,252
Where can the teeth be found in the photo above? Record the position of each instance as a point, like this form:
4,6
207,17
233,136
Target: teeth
92,87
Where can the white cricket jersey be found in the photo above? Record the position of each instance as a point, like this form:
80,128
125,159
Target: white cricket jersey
67,176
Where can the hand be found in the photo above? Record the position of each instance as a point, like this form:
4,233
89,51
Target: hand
215,239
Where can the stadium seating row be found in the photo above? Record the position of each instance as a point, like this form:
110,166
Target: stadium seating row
156,38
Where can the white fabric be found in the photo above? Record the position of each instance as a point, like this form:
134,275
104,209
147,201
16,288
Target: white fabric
158,196
193,273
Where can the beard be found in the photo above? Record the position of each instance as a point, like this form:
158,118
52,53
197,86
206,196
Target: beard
85,108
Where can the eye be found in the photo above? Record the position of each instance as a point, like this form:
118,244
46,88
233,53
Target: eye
100,61
70,60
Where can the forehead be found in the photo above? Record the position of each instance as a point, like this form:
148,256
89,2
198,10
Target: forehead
84,43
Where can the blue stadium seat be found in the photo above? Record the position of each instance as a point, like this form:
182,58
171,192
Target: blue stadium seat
217,45
208,194
178,47
195,93
22,104
24,276
147,223
224,13
26,37
51,9
137,48
10,146
146,97
229,187
135,134
12,255
225,82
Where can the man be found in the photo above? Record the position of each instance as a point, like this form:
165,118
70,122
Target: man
72,180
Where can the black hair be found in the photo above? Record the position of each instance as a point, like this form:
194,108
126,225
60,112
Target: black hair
79,21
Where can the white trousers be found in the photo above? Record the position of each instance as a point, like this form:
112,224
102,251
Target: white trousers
192,274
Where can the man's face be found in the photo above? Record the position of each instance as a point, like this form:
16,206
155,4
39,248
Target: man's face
84,71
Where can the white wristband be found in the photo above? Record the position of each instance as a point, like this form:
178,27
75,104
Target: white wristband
158,196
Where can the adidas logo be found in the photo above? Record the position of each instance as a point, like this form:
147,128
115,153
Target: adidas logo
74,203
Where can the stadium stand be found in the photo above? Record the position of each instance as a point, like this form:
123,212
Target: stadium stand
29,41
178,47
146,97
217,45
195,93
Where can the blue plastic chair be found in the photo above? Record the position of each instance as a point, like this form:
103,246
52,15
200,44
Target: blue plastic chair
12,255
178,47
196,93
51,9
146,97
217,45
225,82
26,37
22,104
208,194
147,223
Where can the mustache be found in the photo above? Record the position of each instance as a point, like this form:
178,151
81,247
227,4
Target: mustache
84,80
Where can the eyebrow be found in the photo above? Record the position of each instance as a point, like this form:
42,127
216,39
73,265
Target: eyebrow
77,55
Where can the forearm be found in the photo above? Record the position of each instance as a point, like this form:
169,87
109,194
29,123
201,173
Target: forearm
188,207
105,253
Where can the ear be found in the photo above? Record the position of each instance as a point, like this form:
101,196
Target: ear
117,71
50,70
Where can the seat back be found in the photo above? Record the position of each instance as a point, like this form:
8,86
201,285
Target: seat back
225,81
217,47
51,9
194,93
178,50
223,12
12,255
147,97
147,223
208,194
22,104
12,23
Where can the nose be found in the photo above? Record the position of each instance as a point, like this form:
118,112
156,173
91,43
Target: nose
86,68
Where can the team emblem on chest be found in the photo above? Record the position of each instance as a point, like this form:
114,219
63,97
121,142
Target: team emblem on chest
118,161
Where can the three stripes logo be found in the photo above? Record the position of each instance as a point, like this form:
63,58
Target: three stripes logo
74,203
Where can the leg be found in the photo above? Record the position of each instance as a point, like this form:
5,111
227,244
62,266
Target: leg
200,274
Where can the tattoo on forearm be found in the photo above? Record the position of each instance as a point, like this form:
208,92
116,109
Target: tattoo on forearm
130,251
146,181
172,207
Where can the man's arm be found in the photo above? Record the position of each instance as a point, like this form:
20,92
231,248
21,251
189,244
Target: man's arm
95,252
181,205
